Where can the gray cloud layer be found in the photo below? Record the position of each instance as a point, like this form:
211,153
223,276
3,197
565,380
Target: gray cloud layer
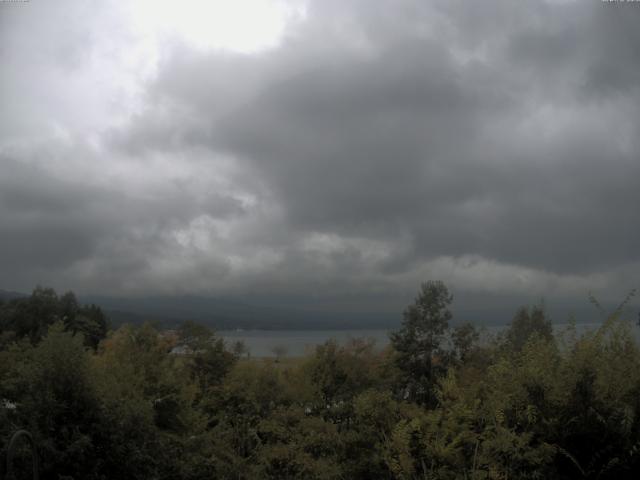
493,144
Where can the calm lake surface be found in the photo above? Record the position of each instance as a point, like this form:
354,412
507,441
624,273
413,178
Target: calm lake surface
300,342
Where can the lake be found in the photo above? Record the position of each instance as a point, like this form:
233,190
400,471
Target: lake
300,342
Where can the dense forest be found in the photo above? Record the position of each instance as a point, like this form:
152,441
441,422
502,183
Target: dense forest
437,403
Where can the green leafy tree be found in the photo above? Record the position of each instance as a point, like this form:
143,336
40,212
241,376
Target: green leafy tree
147,398
31,317
235,409
298,446
417,344
50,386
206,354
339,373
528,322
464,338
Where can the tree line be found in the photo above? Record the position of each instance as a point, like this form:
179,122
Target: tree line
435,404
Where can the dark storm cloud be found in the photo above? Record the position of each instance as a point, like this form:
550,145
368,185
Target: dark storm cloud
54,229
496,143
515,153
44,221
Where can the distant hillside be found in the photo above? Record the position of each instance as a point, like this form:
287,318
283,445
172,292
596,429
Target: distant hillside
296,314
231,314
168,311
8,295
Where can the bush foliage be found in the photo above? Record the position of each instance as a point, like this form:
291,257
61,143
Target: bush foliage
435,404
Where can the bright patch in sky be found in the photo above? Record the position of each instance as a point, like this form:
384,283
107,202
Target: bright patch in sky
245,26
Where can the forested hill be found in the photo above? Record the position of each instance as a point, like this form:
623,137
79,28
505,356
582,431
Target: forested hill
231,313
8,295
169,311
223,313
280,314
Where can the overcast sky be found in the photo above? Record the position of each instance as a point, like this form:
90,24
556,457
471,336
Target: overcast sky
320,149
